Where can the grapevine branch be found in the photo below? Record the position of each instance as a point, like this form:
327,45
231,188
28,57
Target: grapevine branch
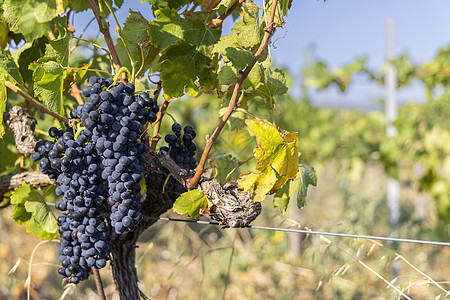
38,105
210,140
99,284
156,135
218,21
11,181
76,93
105,31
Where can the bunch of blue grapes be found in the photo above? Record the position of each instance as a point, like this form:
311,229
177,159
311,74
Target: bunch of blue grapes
114,116
76,166
106,150
182,147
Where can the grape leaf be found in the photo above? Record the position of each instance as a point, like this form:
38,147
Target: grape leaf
227,76
58,49
21,193
20,214
48,80
32,17
41,212
277,159
192,203
297,188
274,83
180,67
236,121
174,4
134,33
169,28
233,53
247,31
281,198
78,6
39,219
37,230
306,177
225,165
9,67
4,30
28,53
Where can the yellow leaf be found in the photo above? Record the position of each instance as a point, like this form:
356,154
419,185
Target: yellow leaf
277,159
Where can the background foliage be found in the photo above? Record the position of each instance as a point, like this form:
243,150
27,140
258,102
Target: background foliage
348,148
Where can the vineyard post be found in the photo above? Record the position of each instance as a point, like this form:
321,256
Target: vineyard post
393,186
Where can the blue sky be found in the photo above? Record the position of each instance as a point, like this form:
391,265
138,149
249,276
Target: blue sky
343,30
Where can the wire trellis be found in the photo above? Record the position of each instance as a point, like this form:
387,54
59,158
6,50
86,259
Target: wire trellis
292,230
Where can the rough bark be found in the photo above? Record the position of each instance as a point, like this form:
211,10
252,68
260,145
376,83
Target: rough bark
231,208
155,203
11,181
22,124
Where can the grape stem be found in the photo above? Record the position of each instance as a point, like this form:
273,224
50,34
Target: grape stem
76,93
38,105
105,31
99,284
210,140
157,126
218,21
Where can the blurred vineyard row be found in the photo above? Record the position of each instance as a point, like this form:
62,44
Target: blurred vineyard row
352,157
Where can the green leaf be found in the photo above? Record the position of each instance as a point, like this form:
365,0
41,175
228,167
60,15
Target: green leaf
297,188
281,198
21,193
277,156
78,6
274,84
180,67
58,49
30,207
174,4
20,214
28,53
224,166
134,33
4,30
135,29
227,76
48,84
236,121
32,17
233,53
41,212
246,31
8,66
169,28
191,203
306,177
37,230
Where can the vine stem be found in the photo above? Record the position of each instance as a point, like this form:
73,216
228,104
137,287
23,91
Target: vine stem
119,31
218,21
156,135
106,34
38,105
76,93
99,284
210,140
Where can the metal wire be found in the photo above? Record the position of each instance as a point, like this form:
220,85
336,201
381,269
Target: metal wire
369,237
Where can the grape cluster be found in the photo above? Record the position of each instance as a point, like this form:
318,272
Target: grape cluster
77,169
115,117
106,149
182,148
